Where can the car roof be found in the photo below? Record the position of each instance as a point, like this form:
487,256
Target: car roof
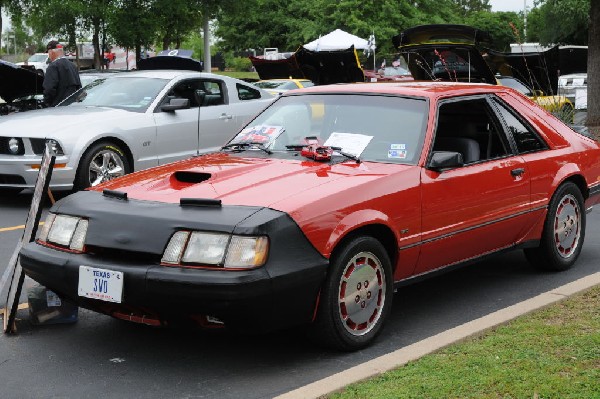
413,88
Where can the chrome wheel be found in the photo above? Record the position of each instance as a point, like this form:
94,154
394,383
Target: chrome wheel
564,231
105,165
567,226
362,292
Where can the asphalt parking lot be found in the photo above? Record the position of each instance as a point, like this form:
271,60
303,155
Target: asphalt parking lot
100,356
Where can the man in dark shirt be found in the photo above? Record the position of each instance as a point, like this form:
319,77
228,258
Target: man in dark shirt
61,78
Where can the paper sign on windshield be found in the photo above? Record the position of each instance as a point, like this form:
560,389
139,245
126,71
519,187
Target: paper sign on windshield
351,143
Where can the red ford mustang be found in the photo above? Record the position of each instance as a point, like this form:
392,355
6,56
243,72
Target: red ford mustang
321,205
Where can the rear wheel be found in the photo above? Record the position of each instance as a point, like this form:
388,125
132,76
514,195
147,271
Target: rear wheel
564,231
356,297
102,162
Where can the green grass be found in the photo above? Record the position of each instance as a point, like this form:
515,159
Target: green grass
551,353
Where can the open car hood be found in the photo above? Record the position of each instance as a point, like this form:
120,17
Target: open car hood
447,62
18,82
540,70
322,67
442,33
173,59
445,52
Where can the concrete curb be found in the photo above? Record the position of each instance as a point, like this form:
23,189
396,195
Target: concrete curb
412,352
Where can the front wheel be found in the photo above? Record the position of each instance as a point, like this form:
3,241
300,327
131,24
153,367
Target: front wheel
356,297
102,162
564,231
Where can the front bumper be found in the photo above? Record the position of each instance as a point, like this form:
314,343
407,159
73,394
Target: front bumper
253,300
18,171
130,236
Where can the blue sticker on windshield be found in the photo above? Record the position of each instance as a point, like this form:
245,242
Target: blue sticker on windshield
397,151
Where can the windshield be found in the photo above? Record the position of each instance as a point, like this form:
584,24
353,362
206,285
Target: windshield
38,58
130,93
372,127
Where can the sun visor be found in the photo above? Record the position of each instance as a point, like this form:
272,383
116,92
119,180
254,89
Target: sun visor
18,82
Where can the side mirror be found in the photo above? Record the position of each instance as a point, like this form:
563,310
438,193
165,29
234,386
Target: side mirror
441,160
175,104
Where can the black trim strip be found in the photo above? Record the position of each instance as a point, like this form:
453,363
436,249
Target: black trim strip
594,190
471,228
462,263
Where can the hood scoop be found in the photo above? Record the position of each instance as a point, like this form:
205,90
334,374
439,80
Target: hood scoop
190,177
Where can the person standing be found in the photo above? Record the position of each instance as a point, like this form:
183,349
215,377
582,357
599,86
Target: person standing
61,78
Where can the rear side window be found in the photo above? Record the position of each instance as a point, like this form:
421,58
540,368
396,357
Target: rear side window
525,138
247,93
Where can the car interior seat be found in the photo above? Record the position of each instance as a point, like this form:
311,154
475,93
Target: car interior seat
468,147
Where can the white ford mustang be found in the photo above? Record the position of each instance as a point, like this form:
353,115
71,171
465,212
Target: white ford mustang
127,122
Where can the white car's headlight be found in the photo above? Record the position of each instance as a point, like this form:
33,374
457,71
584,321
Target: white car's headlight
65,231
15,146
216,249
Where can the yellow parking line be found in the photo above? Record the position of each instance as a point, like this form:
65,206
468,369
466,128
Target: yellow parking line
3,229
20,307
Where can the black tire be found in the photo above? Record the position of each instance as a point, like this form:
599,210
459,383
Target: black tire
101,162
564,231
359,261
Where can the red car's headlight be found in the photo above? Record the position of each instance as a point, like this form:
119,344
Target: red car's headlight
64,231
216,249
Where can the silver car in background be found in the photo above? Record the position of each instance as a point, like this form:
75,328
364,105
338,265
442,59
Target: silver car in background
129,121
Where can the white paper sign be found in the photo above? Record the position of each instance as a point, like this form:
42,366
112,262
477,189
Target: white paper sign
351,143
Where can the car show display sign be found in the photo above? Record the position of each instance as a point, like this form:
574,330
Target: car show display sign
14,274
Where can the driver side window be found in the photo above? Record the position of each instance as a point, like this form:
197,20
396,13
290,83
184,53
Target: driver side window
469,128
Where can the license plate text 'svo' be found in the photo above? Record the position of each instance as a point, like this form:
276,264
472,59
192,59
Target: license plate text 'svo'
102,284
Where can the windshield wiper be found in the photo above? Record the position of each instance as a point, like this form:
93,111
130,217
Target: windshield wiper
346,154
239,147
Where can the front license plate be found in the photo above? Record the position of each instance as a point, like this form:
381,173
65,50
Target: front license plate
102,284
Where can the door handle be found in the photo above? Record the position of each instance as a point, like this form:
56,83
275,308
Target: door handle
517,172
225,116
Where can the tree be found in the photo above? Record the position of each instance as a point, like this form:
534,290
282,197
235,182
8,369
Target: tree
560,22
497,24
468,7
593,94
133,24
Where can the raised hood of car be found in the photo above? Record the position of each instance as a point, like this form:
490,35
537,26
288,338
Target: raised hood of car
441,33
321,67
445,52
170,60
18,82
280,184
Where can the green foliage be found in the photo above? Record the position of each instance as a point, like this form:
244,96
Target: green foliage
560,22
497,25
238,63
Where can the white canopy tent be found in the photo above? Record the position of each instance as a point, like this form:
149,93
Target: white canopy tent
338,40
